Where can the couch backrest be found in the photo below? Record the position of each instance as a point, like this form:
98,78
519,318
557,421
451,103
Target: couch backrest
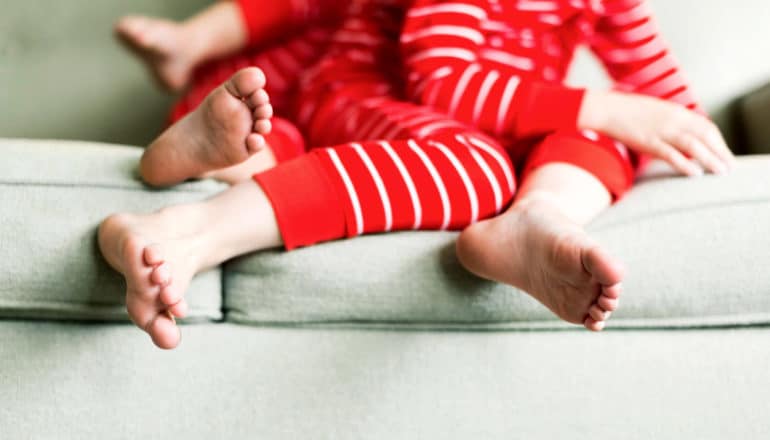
63,76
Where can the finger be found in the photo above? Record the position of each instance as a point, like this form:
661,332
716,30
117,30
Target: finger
710,135
676,159
692,146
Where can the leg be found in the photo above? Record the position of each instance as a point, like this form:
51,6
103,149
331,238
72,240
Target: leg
171,50
392,185
224,131
539,244
159,253
282,63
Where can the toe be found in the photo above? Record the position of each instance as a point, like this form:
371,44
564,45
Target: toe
594,325
263,111
607,303
130,25
604,268
246,82
263,126
597,313
161,275
255,143
141,310
164,331
258,98
612,291
179,309
153,255
170,295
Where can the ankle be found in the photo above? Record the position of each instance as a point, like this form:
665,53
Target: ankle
194,42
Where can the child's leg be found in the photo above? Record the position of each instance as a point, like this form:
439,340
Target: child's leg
448,181
539,244
172,50
160,253
282,63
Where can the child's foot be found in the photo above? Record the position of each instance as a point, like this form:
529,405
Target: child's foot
225,130
157,265
534,247
164,47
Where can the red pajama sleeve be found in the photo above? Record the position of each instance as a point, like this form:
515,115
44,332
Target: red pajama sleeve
446,71
628,42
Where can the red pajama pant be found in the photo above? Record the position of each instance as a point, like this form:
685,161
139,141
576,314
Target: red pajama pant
397,165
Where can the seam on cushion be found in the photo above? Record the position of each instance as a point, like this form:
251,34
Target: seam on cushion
649,324
103,186
67,304
674,211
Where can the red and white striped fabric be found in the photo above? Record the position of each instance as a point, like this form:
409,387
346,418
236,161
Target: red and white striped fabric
401,166
398,165
500,64
284,40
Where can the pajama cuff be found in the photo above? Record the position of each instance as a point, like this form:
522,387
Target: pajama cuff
261,21
305,202
545,108
603,159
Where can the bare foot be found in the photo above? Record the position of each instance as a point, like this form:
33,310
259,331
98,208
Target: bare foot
163,45
157,266
225,130
534,247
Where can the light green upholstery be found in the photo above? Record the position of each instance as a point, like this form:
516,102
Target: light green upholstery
53,196
696,253
692,248
69,381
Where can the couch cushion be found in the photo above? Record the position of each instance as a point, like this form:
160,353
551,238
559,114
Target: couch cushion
695,249
53,195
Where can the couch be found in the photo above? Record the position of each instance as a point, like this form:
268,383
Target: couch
288,346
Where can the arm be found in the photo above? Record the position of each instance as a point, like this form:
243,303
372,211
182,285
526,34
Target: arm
443,49
659,122
627,41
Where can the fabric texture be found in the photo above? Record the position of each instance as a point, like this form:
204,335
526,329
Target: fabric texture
235,382
53,196
691,246
501,67
390,165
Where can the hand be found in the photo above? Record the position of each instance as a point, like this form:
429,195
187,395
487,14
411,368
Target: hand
658,128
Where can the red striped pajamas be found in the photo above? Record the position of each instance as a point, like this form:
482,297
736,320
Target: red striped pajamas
500,65
496,66
412,168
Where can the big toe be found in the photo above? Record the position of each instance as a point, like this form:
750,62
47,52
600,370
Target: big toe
602,266
164,332
246,82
